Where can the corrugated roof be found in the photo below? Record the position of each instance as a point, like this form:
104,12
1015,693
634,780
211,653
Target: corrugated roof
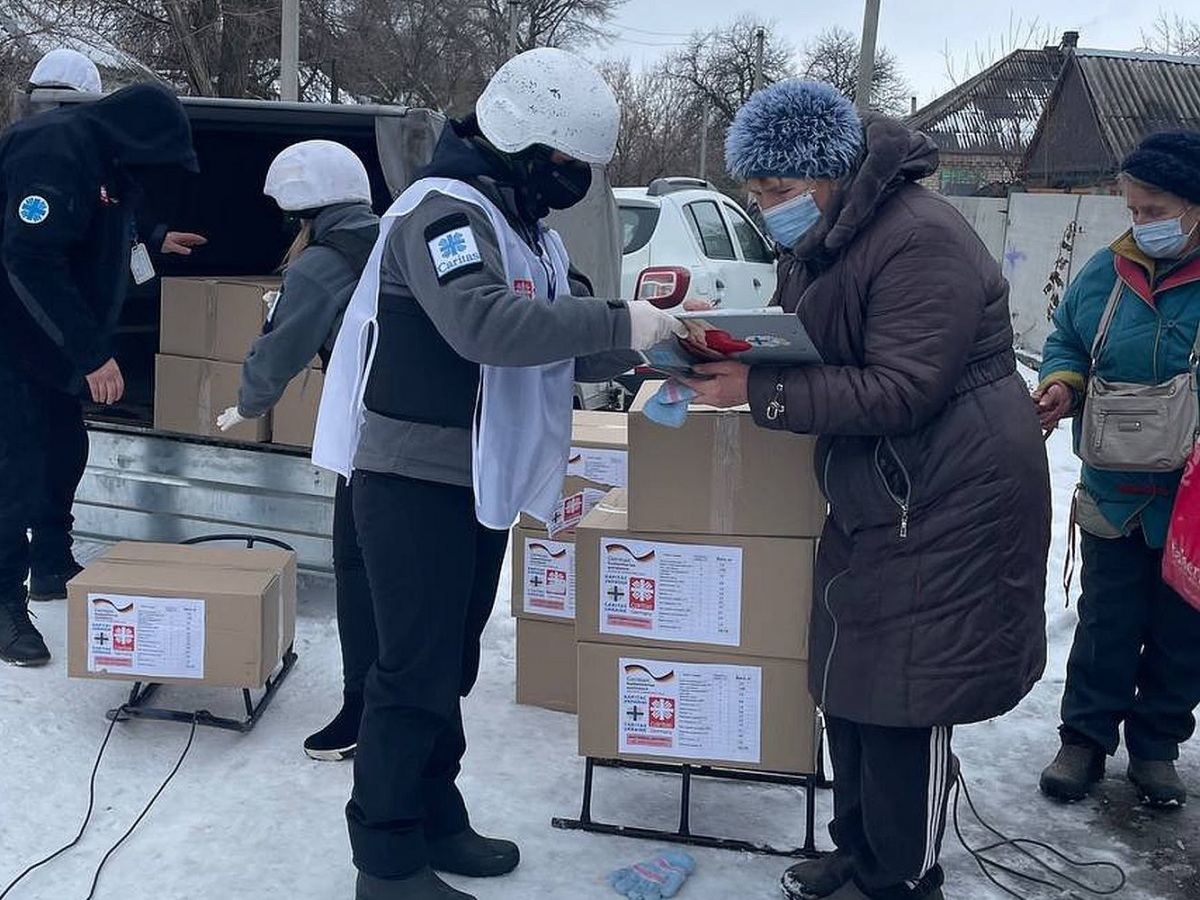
998,110
1136,94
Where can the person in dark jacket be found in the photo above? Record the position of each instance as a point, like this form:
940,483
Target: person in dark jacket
930,576
449,399
67,245
327,187
1135,659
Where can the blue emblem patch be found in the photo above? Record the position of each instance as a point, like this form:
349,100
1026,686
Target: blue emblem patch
454,250
34,210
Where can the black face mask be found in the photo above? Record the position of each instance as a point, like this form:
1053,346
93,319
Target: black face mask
556,185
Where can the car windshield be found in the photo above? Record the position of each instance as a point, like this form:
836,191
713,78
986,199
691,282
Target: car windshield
637,224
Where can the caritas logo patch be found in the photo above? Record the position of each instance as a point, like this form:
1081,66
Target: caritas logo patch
641,594
524,287
123,638
662,712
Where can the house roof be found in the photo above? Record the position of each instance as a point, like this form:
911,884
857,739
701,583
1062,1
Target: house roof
996,111
1136,94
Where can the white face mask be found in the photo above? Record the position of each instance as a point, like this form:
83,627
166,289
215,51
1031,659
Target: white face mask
1164,239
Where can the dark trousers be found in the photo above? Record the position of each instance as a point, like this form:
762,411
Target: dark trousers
1136,654
355,613
43,449
890,787
433,572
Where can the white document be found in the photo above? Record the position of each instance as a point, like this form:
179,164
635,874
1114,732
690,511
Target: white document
674,592
571,509
549,577
690,710
159,637
610,467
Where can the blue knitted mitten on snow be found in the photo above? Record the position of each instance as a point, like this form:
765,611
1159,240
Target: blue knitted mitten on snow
661,876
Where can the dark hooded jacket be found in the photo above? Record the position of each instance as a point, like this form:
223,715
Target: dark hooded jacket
930,580
67,189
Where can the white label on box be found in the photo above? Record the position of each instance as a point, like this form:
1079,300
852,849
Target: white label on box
146,636
549,577
571,509
609,467
690,710
675,592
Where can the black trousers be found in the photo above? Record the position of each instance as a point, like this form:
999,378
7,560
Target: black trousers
890,788
1136,654
355,613
433,572
43,452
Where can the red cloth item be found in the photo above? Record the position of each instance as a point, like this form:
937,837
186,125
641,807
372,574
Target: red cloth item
724,342
1181,555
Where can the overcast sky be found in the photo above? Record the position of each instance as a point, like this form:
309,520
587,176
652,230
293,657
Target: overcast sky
916,31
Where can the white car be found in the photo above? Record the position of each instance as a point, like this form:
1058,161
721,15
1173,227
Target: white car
679,230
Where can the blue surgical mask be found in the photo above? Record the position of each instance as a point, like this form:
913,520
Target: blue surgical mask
791,220
1163,239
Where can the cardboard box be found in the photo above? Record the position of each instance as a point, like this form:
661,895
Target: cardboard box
678,706
735,594
720,473
543,576
176,616
261,557
294,418
212,318
189,394
546,665
598,461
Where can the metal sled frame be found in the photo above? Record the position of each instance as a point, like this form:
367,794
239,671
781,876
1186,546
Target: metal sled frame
139,696
684,834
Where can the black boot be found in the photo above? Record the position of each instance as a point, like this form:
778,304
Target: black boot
20,643
470,853
422,884
338,739
52,585
1157,781
816,878
1078,765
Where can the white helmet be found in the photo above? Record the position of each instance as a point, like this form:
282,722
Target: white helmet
313,174
548,96
64,68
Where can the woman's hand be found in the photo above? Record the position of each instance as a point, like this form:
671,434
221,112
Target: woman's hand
727,385
1052,403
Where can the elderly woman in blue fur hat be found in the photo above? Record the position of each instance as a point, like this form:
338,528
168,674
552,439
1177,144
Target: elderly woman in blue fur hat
930,577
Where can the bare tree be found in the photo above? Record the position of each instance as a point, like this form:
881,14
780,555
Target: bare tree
1172,35
1020,35
833,57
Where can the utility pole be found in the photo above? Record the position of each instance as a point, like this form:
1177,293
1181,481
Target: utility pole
866,56
760,38
514,9
705,124
289,52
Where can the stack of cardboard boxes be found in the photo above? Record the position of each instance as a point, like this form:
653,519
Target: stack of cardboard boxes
543,564
206,328
693,594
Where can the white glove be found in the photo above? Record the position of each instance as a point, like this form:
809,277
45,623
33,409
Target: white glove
649,325
229,418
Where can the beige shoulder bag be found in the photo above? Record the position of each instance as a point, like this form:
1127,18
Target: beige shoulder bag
1126,426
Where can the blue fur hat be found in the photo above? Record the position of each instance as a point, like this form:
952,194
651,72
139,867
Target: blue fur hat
794,129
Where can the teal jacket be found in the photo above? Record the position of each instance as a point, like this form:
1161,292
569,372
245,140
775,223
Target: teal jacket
1149,341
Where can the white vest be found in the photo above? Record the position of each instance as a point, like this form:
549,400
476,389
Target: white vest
522,426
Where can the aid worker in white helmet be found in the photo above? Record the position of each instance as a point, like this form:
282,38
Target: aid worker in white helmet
65,69
448,404
326,187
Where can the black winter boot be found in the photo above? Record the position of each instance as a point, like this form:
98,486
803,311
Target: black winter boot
20,643
813,879
338,739
1078,765
422,884
1157,781
52,585
470,853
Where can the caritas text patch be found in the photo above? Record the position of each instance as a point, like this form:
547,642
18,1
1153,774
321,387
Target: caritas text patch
453,251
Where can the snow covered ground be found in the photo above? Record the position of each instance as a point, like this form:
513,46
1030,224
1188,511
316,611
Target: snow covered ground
251,817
